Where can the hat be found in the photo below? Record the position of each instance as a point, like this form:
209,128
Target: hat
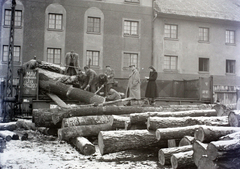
107,66
132,65
151,67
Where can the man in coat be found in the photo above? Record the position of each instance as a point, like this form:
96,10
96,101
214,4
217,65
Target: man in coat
72,64
110,76
133,88
92,79
151,90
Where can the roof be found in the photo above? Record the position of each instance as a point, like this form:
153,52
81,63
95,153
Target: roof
214,9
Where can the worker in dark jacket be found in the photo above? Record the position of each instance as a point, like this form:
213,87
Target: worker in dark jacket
113,95
151,90
110,76
92,79
102,83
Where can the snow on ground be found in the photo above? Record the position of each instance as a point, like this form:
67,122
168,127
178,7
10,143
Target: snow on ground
46,152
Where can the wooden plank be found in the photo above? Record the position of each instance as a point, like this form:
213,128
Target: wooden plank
57,100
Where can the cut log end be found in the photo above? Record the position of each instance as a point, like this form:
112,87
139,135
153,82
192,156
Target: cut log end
89,150
161,157
100,143
212,152
199,134
158,135
233,120
174,162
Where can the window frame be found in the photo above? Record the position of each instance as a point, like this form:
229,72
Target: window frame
229,65
55,29
227,39
131,29
100,22
171,38
203,34
54,55
131,54
93,51
15,20
15,46
170,65
208,66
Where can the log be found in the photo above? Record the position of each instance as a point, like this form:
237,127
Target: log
119,122
182,160
234,118
164,154
67,91
175,133
137,118
8,126
82,131
83,145
25,124
199,150
212,133
85,120
206,163
232,136
115,141
154,123
186,140
8,135
101,110
221,109
223,149
191,107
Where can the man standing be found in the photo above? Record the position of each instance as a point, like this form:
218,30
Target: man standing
110,76
92,79
71,63
133,88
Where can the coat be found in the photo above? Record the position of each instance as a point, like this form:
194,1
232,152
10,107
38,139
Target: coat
72,64
110,75
92,80
151,90
133,87
113,95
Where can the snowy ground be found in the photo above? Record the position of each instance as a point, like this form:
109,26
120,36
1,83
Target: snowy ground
46,152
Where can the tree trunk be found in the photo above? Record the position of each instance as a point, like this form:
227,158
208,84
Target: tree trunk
186,140
82,131
142,117
199,149
8,135
182,160
234,118
63,90
212,133
154,123
190,107
223,149
175,133
114,141
164,154
8,126
119,122
85,120
100,110
25,124
232,136
206,163
83,145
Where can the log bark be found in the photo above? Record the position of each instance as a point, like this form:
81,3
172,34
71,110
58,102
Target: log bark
137,118
234,118
115,141
212,133
199,150
83,145
67,91
25,124
101,110
85,120
232,136
8,135
82,131
182,160
119,122
175,133
186,140
164,154
154,123
223,149
8,126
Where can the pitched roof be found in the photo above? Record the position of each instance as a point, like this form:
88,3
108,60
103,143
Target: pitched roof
215,9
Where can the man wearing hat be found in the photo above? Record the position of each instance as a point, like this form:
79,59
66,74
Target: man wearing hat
133,88
110,77
151,90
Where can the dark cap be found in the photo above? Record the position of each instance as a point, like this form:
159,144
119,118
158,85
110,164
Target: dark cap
132,66
107,66
86,67
151,67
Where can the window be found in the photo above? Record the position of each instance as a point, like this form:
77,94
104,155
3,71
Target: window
54,55
16,53
204,34
18,18
131,28
135,1
230,66
170,31
55,21
93,25
203,64
94,57
170,62
230,37
130,59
